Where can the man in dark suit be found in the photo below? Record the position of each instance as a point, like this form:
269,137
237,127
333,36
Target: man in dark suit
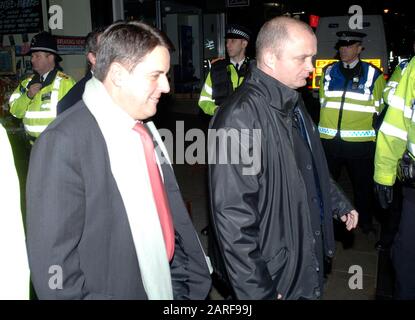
96,227
75,94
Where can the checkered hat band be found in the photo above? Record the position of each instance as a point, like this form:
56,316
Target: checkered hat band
239,32
43,49
350,38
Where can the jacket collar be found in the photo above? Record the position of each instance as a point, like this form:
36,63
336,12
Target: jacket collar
50,77
281,97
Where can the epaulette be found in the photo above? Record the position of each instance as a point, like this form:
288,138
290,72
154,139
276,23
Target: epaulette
328,65
62,75
375,67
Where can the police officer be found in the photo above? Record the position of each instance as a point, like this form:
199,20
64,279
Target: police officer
226,74
395,155
351,97
37,96
391,222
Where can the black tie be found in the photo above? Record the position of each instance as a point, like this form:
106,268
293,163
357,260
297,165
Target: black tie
237,67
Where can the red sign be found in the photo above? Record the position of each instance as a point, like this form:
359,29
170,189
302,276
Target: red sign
70,45
314,20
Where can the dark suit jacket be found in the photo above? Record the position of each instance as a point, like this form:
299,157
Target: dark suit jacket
74,95
76,220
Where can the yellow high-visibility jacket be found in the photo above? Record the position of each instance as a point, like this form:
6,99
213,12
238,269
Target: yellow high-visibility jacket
397,132
39,111
355,101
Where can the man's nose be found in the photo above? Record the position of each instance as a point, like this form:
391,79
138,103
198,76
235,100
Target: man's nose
309,66
164,85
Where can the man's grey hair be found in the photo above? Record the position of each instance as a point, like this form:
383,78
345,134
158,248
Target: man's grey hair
127,43
275,33
91,40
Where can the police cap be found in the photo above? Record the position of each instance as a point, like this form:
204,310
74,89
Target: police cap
45,42
347,38
235,31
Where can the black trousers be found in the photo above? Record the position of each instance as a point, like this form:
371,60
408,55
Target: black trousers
403,249
358,159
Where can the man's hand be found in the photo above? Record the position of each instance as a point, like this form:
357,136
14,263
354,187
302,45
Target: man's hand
33,89
350,219
385,195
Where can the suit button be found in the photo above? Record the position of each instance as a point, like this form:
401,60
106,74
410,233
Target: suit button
314,199
309,167
317,269
317,293
317,233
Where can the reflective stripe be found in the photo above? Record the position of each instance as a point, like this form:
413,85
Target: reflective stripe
369,82
14,96
40,114
396,102
38,129
347,133
327,78
350,107
57,83
204,98
327,131
411,148
349,95
54,99
392,84
357,133
391,94
208,89
391,130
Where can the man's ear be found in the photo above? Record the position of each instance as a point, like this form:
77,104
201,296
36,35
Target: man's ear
51,58
244,43
269,59
91,58
117,74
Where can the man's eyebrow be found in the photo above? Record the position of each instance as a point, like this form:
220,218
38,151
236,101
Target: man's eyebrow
302,56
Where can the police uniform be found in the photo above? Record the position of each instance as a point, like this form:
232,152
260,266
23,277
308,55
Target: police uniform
390,224
351,98
397,137
224,77
40,110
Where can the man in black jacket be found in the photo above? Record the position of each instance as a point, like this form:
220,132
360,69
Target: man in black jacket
75,94
272,198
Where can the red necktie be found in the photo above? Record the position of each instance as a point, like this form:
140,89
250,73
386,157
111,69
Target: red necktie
159,193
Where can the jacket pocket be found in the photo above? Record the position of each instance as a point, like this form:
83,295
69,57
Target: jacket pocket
276,263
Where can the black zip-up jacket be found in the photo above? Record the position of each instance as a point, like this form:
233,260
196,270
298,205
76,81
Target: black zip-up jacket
262,220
